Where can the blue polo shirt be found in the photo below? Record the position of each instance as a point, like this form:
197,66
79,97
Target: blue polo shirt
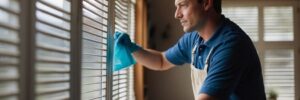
234,72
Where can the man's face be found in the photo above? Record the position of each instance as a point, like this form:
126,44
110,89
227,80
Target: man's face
190,13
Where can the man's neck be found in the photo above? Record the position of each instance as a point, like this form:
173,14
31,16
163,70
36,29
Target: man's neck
211,25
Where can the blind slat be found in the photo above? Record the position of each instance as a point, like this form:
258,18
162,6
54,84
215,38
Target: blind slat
55,96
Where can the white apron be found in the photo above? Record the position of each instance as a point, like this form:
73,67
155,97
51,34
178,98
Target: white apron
198,76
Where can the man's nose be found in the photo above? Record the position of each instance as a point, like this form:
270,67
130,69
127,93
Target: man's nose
178,14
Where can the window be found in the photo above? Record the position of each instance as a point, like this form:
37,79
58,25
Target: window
271,27
278,23
52,61
9,49
94,49
279,72
123,80
66,49
131,94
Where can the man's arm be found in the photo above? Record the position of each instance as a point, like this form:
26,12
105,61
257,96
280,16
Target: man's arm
203,96
152,59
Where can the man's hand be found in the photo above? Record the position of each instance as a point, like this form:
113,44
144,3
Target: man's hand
124,40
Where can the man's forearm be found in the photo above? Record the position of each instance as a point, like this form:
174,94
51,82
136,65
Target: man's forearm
151,59
203,96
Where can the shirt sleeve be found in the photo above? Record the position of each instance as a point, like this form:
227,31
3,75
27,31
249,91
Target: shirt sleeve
225,69
178,54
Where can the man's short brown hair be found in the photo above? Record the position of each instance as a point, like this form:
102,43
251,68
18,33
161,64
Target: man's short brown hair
217,5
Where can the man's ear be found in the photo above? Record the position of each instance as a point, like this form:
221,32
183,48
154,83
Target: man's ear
208,4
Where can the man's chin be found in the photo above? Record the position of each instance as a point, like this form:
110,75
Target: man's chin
188,30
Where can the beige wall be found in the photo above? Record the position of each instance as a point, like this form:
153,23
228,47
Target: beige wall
175,83
168,85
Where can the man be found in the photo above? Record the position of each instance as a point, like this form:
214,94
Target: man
224,62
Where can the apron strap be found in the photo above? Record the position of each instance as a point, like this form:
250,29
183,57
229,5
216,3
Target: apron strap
207,60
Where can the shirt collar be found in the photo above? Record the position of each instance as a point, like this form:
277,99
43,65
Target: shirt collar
212,39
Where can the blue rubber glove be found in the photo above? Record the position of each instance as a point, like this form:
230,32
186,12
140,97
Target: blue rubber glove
123,48
124,39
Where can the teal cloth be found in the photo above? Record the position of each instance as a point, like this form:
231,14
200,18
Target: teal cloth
122,57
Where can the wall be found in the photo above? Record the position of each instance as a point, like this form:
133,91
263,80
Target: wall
164,31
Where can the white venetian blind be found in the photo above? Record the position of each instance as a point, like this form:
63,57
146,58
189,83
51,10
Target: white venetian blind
132,36
245,17
9,49
278,23
52,65
123,80
279,73
94,49
131,93
279,63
